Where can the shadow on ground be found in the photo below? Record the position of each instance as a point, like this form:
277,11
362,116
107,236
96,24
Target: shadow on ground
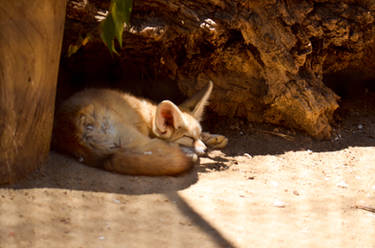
66,174
354,125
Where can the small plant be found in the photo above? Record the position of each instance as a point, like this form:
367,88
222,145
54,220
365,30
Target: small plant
112,26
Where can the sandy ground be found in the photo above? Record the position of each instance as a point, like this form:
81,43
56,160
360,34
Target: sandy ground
271,187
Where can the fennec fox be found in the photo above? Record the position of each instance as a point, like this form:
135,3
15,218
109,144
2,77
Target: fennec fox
130,135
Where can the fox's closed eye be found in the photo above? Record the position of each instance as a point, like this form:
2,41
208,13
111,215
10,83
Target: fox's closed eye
185,136
185,140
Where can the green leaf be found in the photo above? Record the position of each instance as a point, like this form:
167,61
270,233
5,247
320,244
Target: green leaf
81,42
72,49
113,26
107,33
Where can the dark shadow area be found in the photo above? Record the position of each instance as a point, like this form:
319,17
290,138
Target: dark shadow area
62,172
209,167
199,221
350,85
219,163
354,125
97,69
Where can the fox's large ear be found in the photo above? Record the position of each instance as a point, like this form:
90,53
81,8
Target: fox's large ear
197,102
167,116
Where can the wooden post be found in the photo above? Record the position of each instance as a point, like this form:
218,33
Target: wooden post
30,43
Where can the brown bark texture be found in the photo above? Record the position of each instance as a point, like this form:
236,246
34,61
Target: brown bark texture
30,44
267,58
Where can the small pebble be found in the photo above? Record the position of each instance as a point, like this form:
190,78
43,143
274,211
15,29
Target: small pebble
116,201
247,155
275,184
279,204
101,238
295,192
342,184
337,137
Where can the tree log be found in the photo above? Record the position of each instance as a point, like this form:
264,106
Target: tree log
267,58
30,44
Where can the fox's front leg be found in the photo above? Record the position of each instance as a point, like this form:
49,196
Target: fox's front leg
214,140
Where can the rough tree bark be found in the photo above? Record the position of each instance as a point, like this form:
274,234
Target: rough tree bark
266,58
30,43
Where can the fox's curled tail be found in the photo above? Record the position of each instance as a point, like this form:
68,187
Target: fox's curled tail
156,158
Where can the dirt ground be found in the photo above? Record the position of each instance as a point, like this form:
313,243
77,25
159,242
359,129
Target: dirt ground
270,187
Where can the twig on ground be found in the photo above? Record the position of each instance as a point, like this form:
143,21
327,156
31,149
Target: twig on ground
366,208
285,136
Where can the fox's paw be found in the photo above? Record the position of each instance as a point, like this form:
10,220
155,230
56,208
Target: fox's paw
214,140
189,152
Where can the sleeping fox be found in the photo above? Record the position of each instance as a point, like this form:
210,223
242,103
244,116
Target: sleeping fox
122,133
